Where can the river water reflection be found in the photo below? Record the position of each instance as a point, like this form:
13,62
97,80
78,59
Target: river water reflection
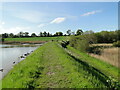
10,54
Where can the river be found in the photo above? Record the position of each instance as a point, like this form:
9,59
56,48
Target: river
10,54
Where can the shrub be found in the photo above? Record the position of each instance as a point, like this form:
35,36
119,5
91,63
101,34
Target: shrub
95,50
64,43
2,39
116,44
79,43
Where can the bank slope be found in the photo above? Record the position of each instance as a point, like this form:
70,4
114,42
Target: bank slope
50,66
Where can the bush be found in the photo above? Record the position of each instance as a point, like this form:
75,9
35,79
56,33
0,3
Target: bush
95,50
79,43
116,44
64,43
2,40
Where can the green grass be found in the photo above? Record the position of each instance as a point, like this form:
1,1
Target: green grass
37,38
50,66
104,67
0,84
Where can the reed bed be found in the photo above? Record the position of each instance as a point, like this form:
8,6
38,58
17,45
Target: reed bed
110,55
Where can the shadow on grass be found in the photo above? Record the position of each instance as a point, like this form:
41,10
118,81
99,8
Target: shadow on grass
96,73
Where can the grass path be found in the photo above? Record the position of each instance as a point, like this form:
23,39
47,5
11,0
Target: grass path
50,66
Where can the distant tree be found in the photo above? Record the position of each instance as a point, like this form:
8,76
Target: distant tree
41,34
20,34
11,35
33,35
48,34
5,35
26,34
58,34
79,32
69,32
44,34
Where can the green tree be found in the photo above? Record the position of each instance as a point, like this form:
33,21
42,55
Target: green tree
79,32
33,35
11,35
58,34
41,34
5,35
48,34
26,34
44,34
69,32
20,34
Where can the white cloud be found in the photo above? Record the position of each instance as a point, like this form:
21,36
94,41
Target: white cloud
91,13
58,20
41,25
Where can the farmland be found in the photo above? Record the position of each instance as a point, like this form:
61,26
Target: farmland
52,66
37,38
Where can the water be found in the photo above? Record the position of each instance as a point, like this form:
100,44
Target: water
11,54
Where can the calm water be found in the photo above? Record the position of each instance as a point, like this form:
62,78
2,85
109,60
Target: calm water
10,55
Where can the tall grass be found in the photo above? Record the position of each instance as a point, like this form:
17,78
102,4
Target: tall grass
109,55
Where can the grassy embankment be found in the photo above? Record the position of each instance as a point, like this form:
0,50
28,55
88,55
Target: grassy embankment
51,66
104,67
37,38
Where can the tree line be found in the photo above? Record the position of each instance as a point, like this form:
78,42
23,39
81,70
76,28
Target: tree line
82,42
41,34
98,37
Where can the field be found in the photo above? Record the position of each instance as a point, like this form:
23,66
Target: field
109,55
37,38
51,66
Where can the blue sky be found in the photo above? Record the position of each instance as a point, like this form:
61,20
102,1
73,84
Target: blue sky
58,16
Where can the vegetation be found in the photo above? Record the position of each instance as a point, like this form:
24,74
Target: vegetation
65,64
109,71
50,66
37,39
109,55
116,44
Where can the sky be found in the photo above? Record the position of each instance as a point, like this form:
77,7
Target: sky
36,17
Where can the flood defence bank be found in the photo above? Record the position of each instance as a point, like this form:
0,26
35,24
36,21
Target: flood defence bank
50,66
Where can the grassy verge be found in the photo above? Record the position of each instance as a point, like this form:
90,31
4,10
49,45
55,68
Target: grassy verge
37,38
0,84
107,69
50,66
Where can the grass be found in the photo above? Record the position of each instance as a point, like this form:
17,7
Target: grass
37,38
0,84
109,55
51,66
104,67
